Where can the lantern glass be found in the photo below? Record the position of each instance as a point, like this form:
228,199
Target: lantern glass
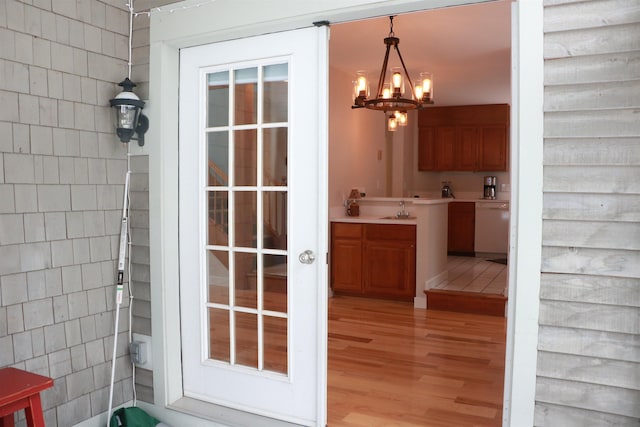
126,116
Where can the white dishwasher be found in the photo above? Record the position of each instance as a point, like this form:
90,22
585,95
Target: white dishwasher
492,227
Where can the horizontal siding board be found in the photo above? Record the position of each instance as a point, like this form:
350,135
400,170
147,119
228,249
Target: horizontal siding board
591,234
591,289
619,401
593,370
141,325
592,179
597,262
549,415
609,67
586,342
601,317
590,124
591,14
139,200
592,151
592,41
590,96
140,236
613,207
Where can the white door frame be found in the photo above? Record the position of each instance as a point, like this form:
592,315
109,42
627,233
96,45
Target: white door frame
214,22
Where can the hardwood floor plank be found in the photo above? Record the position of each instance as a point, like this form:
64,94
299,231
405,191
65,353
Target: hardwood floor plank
393,365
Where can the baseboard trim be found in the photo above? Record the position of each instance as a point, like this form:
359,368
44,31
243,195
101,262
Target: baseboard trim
466,302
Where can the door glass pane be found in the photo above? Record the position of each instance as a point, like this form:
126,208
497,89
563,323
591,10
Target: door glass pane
218,99
275,344
219,335
246,96
246,157
218,278
275,283
245,217
218,218
275,93
247,339
246,160
217,158
246,280
274,217
274,156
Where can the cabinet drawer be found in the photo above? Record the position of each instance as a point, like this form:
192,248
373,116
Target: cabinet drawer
345,230
390,232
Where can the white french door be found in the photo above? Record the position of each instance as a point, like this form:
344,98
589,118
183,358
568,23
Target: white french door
252,156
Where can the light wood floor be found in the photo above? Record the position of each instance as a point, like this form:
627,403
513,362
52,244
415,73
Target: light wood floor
393,365
471,274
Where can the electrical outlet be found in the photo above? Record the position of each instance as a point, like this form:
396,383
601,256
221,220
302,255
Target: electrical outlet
145,356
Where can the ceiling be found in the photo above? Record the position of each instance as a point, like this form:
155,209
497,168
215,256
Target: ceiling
467,48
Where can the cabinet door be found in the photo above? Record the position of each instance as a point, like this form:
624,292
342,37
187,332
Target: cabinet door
467,148
389,262
346,257
426,142
444,148
461,228
492,148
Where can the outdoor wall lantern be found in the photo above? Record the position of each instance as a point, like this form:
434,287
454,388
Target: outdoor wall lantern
128,110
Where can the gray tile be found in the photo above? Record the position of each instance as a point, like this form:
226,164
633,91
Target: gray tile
97,302
8,110
54,198
22,346
15,319
18,168
79,359
42,55
34,230
53,278
21,141
75,225
100,401
7,197
54,83
54,396
100,248
48,112
50,170
81,170
88,328
11,229
28,108
55,226
72,332
14,288
77,305
104,324
91,276
60,363
26,198
3,321
83,197
37,339
94,224
38,365
9,259
6,351
36,285
38,313
80,383
6,142
62,253
67,176
35,256
97,171
81,251
41,140
95,352
71,279
54,338
89,91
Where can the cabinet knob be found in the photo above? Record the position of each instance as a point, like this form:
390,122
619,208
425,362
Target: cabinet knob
307,257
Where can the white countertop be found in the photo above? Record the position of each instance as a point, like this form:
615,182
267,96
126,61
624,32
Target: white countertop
375,220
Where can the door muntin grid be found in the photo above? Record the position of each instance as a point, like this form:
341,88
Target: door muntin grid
245,310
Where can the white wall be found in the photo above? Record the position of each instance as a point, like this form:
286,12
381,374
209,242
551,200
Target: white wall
355,137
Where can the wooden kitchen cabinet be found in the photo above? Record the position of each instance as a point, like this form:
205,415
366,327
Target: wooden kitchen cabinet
376,260
461,228
463,138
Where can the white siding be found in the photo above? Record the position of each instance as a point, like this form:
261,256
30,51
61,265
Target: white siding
589,339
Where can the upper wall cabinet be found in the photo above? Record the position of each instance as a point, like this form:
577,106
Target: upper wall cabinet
464,138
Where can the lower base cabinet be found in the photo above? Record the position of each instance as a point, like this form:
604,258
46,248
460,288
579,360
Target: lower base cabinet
376,260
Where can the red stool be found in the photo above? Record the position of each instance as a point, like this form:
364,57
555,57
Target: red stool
21,390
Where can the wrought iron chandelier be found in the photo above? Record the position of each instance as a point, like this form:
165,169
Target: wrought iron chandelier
391,97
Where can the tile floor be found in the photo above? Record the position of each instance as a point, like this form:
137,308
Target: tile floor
473,274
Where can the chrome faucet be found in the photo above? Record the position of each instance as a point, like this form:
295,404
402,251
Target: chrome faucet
402,213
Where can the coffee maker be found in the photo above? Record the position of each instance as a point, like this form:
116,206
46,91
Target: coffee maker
490,187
